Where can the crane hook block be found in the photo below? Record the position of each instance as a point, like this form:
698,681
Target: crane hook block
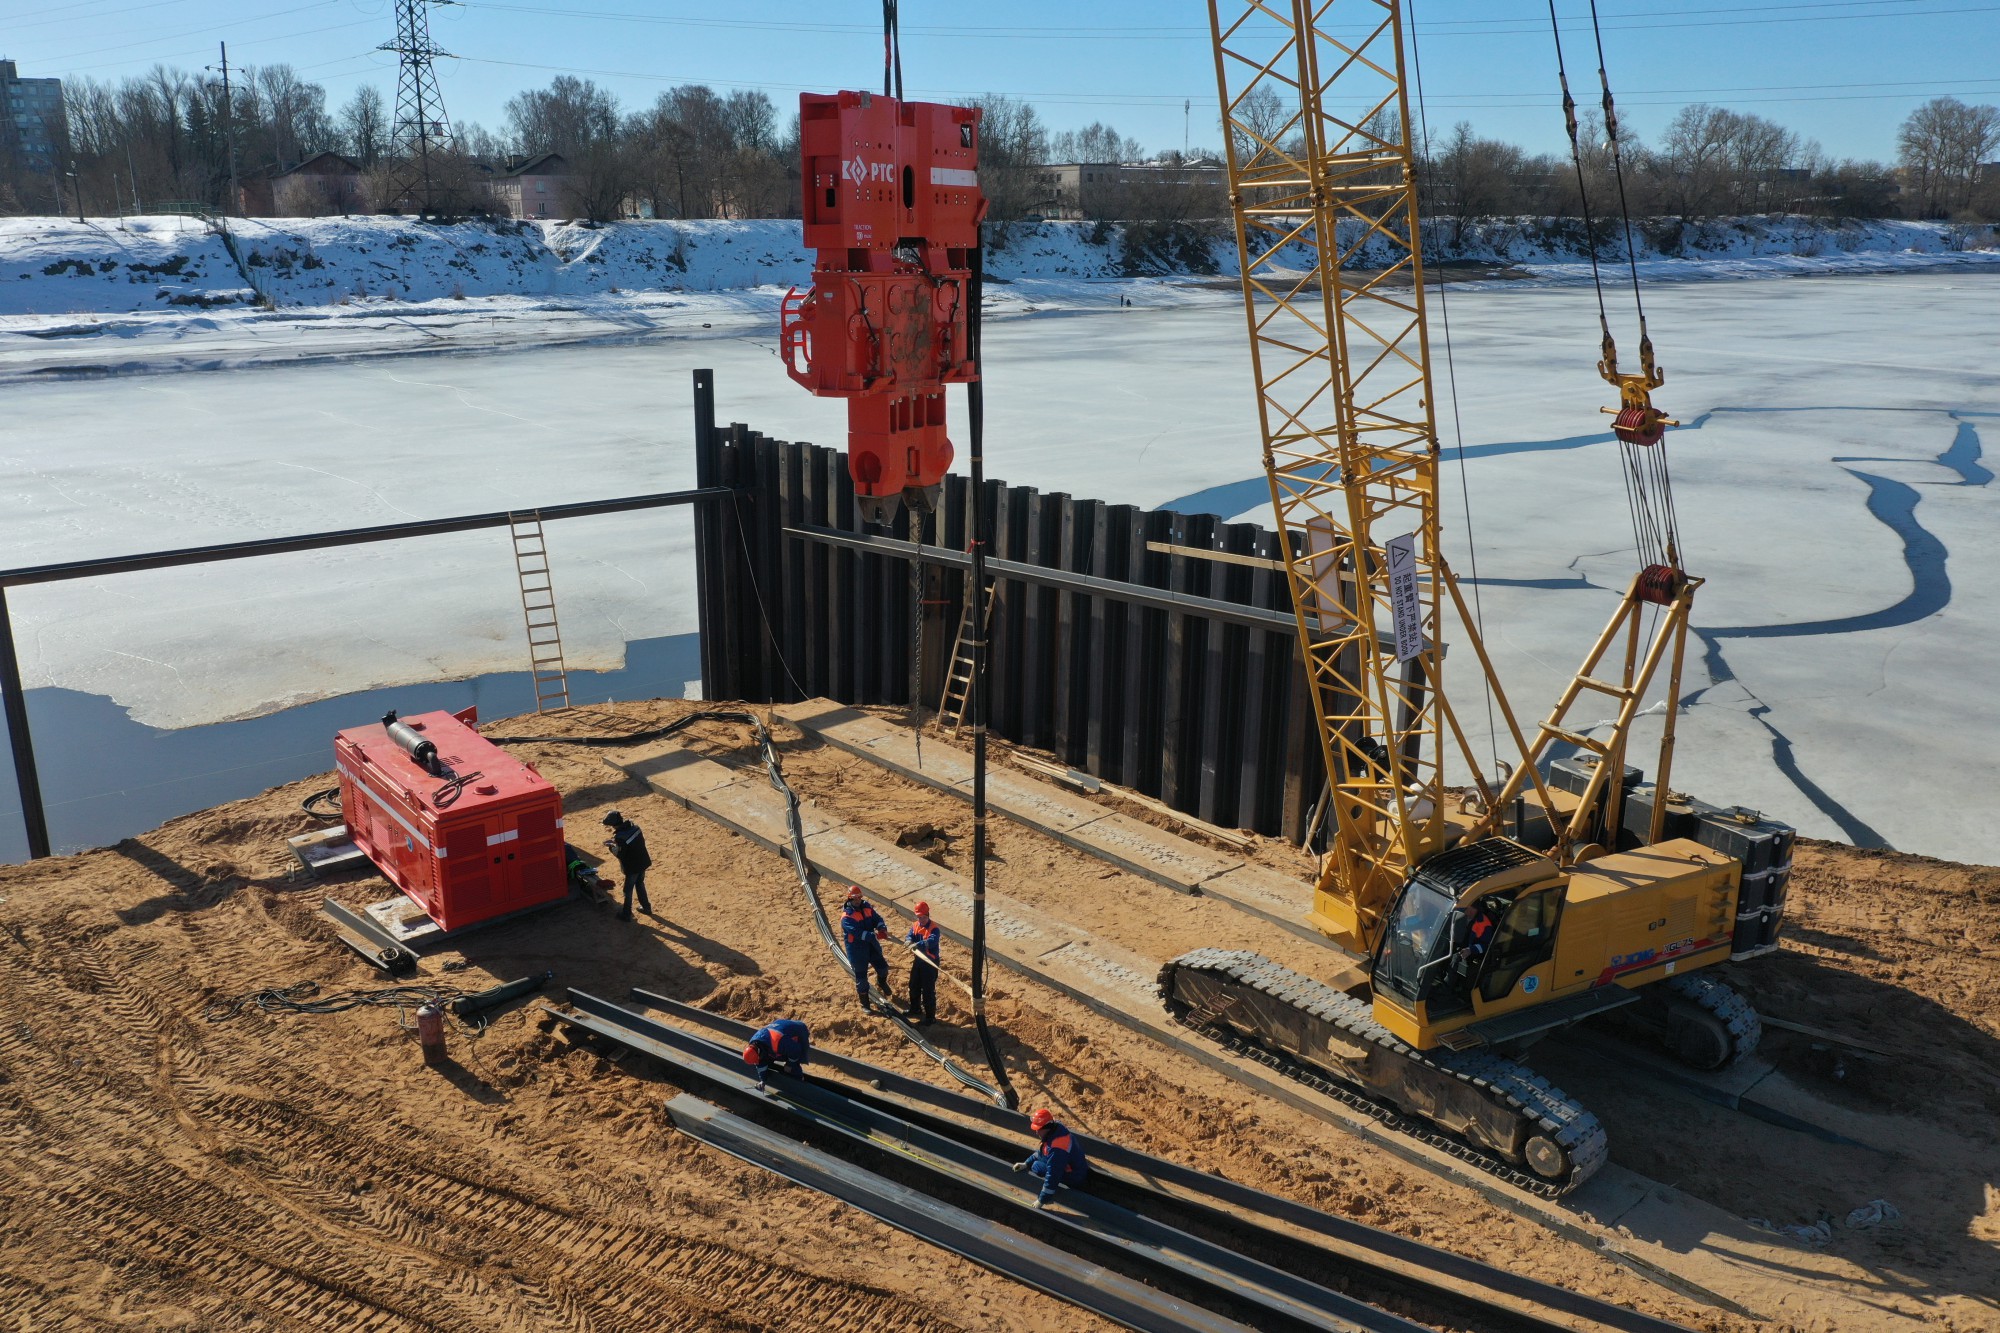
1639,425
1635,420
892,209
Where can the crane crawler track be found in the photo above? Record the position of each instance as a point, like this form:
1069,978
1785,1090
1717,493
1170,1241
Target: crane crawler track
1383,1076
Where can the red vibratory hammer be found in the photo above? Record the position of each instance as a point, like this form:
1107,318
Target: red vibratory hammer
892,212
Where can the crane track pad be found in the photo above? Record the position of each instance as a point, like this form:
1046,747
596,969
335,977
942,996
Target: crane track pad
1492,1103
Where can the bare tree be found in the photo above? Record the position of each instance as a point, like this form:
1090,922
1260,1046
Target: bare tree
1942,145
1468,177
1013,157
364,126
1095,142
1688,171
578,119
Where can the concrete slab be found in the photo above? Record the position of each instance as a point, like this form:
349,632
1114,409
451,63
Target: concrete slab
1132,845
1262,892
741,802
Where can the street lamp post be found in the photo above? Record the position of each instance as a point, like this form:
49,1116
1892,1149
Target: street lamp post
76,185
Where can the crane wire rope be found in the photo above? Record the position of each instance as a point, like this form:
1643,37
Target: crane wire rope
1457,423
892,52
1648,485
1648,462
892,86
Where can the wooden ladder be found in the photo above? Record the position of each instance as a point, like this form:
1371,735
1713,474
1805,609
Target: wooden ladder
958,678
538,612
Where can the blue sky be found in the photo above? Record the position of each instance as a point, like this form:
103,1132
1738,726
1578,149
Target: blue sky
1844,72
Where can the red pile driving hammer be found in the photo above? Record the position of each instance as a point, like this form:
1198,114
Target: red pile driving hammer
892,210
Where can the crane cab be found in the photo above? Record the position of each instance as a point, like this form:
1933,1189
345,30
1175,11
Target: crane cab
1492,943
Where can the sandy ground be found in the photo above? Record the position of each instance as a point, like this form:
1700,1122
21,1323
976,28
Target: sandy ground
165,1172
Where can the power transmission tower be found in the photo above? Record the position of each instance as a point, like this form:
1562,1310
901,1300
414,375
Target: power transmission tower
234,204
420,139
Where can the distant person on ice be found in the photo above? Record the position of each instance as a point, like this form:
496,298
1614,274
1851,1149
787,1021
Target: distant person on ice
783,1043
926,940
628,844
864,930
1058,1160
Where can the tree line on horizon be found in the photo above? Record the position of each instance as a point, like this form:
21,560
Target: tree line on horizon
165,138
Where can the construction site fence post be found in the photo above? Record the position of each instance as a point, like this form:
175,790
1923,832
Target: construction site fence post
26,778
707,521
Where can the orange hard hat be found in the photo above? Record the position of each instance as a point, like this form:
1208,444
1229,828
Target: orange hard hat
751,1054
1041,1119
923,909
854,893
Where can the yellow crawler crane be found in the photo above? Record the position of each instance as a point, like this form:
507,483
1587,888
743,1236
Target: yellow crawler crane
1481,920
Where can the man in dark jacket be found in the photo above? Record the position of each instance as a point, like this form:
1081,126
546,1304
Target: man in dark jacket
1057,1160
628,844
925,941
784,1043
862,929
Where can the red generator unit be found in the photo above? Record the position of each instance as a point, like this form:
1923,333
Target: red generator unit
464,829
892,209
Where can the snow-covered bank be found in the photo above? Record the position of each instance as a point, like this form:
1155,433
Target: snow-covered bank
176,293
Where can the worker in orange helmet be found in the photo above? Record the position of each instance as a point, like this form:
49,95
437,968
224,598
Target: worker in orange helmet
1058,1160
925,940
862,929
784,1044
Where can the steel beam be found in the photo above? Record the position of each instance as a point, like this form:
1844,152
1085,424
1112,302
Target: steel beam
314,541
1465,1275
988,1244
1292,1300
1159,599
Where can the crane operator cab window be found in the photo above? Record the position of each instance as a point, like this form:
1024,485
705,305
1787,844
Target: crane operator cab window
1435,951
1525,935
1426,932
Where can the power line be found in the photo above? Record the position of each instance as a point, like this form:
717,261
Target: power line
1453,28
198,32
1167,100
87,18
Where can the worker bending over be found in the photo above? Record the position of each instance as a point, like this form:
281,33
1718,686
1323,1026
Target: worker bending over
1058,1160
863,930
783,1043
927,940
628,844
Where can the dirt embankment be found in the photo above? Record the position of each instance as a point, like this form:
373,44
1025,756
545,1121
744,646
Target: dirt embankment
162,1171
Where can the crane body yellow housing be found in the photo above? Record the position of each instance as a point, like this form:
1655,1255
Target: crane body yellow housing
1532,937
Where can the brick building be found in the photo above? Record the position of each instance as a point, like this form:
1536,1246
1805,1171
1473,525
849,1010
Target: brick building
535,187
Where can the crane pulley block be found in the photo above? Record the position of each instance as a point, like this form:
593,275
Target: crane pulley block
892,210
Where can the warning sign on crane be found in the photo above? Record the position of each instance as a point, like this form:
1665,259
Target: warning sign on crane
1404,600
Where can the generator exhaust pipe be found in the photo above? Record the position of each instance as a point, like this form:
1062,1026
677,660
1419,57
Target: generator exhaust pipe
413,743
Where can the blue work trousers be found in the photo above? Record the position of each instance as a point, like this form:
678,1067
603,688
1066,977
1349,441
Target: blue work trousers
862,955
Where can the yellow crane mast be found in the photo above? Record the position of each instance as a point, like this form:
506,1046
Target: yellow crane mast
1487,918
1342,364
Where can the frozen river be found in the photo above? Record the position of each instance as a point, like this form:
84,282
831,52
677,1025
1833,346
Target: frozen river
1833,486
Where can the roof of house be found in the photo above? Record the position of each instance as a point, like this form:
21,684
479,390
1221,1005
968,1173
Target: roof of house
321,160
541,164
